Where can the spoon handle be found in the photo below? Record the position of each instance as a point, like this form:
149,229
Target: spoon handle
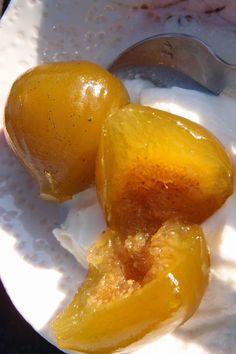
183,53
230,80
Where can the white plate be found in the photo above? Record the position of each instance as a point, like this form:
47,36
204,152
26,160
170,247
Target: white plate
39,276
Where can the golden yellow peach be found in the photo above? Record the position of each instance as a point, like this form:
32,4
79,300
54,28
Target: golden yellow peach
153,165
135,286
53,121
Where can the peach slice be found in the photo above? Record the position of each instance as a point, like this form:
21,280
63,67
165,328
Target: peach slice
135,286
153,165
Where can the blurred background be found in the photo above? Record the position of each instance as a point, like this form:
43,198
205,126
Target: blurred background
16,336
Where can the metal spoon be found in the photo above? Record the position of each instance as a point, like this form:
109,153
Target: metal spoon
176,60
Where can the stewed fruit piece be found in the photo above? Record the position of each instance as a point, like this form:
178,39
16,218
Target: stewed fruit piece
153,165
135,286
53,122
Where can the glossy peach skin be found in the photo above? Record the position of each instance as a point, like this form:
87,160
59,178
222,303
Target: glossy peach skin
153,165
53,120
136,287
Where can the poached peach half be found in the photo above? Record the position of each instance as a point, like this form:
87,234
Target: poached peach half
134,286
153,165
53,120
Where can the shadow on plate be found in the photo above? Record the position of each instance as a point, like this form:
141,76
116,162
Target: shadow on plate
30,220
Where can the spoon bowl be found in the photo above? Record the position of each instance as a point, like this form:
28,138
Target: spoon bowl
176,60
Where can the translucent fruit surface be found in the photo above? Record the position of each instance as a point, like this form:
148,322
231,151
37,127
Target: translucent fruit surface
136,285
153,165
53,121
